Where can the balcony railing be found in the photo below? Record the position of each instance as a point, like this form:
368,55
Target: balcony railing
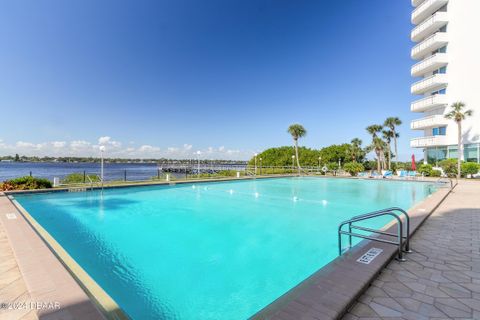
416,3
428,122
425,9
435,41
429,26
429,64
429,103
429,83
430,141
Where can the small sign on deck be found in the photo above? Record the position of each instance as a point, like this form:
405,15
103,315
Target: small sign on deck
369,256
11,216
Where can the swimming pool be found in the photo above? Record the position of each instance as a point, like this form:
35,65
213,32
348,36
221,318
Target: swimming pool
219,250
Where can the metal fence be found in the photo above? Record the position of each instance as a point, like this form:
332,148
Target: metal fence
176,173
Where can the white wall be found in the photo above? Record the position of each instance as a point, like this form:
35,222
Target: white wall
464,65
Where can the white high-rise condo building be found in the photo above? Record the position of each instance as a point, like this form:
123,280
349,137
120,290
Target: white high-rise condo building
447,36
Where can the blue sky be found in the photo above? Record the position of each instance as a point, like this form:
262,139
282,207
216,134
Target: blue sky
168,78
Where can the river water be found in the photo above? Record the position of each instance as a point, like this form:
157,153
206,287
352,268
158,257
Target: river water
112,171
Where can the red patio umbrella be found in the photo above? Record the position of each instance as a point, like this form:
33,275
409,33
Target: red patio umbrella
414,165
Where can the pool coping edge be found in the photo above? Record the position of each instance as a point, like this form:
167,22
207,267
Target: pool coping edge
106,304
303,299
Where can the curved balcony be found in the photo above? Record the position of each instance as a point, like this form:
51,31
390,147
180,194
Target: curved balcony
435,41
429,103
429,26
430,141
429,64
429,84
425,9
416,3
429,122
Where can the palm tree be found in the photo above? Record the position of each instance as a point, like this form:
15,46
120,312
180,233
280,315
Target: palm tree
387,136
392,123
376,146
297,131
457,114
355,151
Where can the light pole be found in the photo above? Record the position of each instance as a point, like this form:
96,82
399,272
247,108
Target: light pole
319,163
293,163
102,150
198,164
255,164
260,166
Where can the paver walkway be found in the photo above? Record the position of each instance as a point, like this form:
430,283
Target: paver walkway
12,287
441,279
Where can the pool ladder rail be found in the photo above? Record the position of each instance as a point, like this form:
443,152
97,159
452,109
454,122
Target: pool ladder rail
402,240
444,181
92,183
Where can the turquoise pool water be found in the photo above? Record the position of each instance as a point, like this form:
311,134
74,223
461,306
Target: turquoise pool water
210,250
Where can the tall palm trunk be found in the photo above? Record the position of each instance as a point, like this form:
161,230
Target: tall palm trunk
296,155
389,154
395,143
459,148
382,155
378,160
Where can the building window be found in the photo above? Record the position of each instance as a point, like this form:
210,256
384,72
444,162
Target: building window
470,152
441,91
435,155
442,70
452,152
440,131
440,50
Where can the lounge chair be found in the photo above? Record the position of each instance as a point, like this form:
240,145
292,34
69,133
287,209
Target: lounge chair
376,175
402,174
387,174
363,174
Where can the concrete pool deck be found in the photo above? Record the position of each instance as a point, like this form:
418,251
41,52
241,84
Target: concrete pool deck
284,308
441,278
35,285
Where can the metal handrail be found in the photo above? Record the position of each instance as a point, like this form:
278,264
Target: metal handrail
92,182
439,181
394,212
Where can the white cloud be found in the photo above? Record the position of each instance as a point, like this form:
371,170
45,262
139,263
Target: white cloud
148,149
23,144
107,141
114,149
80,144
59,144
104,140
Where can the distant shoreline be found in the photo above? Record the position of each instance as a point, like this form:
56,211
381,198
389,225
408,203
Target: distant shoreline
122,161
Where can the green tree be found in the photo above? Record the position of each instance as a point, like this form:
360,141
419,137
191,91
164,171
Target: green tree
282,156
425,169
355,152
335,153
470,168
387,136
449,167
17,157
353,168
392,123
297,131
458,114
377,143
